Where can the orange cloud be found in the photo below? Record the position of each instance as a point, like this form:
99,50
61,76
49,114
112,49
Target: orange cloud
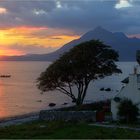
31,28
3,10
34,36
10,52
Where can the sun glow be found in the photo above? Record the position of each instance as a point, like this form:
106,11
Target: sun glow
31,36
3,10
3,107
10,53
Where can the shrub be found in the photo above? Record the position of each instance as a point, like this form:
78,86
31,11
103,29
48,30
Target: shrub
127,111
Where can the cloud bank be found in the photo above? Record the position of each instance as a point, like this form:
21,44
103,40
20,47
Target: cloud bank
59,19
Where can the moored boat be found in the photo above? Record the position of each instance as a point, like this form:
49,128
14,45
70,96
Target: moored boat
5,76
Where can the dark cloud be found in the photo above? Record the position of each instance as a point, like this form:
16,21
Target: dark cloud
55,38
77,15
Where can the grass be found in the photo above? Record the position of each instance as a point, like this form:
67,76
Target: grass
132,125
63,130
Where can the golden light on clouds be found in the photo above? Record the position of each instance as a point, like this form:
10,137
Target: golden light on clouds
32,36
10,52
3,10
123,4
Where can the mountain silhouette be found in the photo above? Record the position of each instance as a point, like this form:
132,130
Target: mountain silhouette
125,46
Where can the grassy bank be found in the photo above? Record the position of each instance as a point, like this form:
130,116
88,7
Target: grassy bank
42,129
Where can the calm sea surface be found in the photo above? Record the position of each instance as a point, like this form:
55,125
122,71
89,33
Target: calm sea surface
19,94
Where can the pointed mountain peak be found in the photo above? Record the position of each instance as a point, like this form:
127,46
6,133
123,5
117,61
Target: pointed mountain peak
100,29
97,33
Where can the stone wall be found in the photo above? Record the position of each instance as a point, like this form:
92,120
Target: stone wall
67,115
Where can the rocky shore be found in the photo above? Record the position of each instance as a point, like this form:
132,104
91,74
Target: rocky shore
19,119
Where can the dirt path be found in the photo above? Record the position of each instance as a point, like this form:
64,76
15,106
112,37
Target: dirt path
115,126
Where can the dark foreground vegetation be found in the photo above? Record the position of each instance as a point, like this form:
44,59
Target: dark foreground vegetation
96,106
63,130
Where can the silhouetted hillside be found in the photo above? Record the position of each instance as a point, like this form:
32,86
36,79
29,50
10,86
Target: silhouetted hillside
119,41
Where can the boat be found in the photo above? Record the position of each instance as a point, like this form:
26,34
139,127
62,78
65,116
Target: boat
5,76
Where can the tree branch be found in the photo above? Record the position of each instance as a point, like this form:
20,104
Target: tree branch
85,89
70,88
63,90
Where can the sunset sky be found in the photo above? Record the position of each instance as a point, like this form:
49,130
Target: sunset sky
42,26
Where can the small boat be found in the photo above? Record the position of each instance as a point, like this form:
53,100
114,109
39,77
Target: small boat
5,76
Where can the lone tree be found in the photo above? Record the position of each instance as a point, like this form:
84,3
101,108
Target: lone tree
84,63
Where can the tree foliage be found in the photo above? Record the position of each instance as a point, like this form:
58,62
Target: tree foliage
84,63
128,111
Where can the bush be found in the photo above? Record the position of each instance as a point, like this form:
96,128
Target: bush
127,111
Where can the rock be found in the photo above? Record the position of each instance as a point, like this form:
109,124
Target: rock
65,104
73,101
42,126
52,104
39,100
102,89
108,89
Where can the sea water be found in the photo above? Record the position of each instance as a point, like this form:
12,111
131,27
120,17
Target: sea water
19,94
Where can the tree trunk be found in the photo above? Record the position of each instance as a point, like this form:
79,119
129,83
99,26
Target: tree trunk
81,98
79,102
81,94
84,93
